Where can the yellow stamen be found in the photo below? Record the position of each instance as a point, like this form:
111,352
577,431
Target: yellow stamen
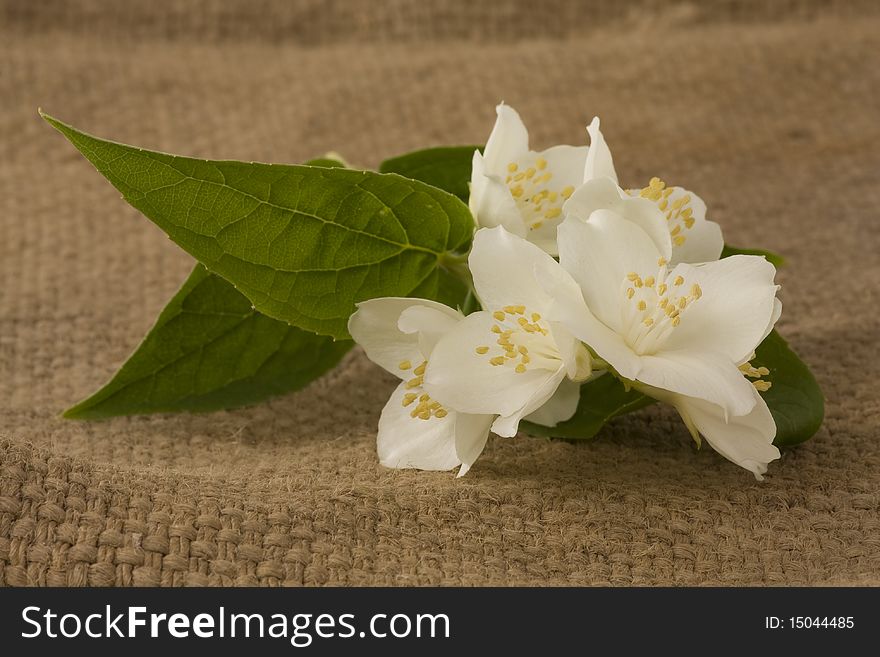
482,350
404,364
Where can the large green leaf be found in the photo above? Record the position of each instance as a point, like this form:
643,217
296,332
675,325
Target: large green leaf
303,243
201,355
773,258
211,350
794,397
602,399
446,167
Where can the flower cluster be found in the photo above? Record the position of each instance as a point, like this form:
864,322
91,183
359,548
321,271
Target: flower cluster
577,278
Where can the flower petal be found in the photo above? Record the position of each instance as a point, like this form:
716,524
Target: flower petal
777,312
461,378
599,163
508,425
570,310
560,407
575,356
702,375
736,306
407,442
702,242
471,433
604,194
374,326
566,164
503,268
429,323
508,142
746,440
599,253
490,201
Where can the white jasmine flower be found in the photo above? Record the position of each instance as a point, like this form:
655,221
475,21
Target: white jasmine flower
679,335
508,359
415,431
694,238
524,190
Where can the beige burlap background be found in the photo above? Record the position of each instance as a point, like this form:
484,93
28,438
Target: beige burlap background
771,113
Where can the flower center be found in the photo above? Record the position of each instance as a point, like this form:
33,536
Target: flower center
653,307
675,204
522,339
529,183
753,372
425,408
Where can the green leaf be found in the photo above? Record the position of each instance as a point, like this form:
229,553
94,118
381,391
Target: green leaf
210,350
444,287
303,243
773,258
602,399
447,167
794,398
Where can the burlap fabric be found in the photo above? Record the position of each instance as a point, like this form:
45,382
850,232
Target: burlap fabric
772,113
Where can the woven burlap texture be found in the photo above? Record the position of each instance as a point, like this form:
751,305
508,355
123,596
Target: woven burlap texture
770,113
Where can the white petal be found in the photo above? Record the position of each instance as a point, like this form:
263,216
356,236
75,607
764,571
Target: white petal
604,194
374,326
560,407
575,356
407,442
599,254
599,163
737,304
777,312
490,201
429,323
703,242
570,309
746,440
503,268
703,375
471,432
508,142
508,425
460,378
566,164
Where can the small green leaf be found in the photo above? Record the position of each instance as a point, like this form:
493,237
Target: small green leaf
773,258
326,162
303,243
602,399
447,167
210,350
794,397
